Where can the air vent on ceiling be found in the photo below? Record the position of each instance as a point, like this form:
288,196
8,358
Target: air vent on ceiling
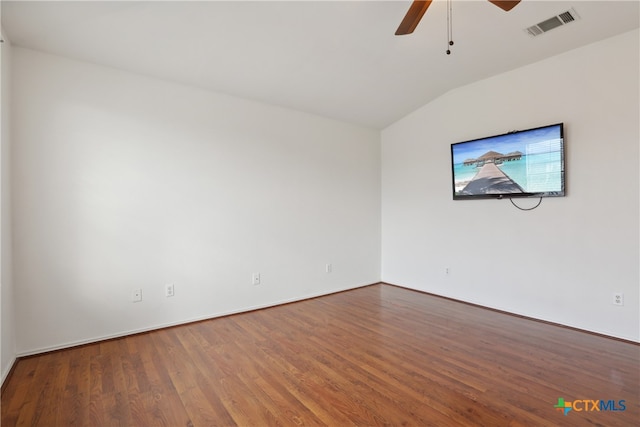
553,22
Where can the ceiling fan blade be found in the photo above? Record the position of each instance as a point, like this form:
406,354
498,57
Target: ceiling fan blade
413,17
505,5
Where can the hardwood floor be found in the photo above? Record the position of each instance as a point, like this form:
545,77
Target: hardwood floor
379,355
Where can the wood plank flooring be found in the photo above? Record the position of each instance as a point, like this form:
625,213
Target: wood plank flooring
378,355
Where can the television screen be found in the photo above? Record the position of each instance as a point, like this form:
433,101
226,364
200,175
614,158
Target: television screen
527,163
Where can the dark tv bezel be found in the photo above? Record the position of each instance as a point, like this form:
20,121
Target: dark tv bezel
560,193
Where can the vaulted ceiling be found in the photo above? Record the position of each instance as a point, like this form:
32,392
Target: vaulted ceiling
338,59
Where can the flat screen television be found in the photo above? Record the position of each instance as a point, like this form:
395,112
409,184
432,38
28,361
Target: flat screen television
527,163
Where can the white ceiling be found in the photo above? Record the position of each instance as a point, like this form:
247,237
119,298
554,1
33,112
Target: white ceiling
338,59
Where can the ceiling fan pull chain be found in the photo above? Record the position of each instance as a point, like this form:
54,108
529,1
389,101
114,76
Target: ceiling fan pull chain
449,26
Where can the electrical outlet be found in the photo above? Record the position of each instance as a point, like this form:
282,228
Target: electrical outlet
447,271
328,268
169,290
255,278
137,295
618,298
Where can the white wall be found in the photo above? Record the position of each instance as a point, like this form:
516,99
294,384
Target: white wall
124,182
7,324
560,262
121,181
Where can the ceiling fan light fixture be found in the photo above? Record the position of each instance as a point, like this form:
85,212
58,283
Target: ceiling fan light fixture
419,7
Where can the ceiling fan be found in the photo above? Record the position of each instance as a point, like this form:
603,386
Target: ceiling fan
418,8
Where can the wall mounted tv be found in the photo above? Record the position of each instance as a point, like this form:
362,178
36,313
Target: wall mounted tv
527,163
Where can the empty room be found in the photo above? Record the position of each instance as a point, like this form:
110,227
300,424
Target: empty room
252,213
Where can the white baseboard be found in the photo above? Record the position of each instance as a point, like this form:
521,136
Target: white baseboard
6,370
182,322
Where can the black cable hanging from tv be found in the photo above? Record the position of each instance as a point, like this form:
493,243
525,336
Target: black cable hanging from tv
525,209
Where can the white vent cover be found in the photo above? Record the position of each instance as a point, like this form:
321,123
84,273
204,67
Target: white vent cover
553,22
